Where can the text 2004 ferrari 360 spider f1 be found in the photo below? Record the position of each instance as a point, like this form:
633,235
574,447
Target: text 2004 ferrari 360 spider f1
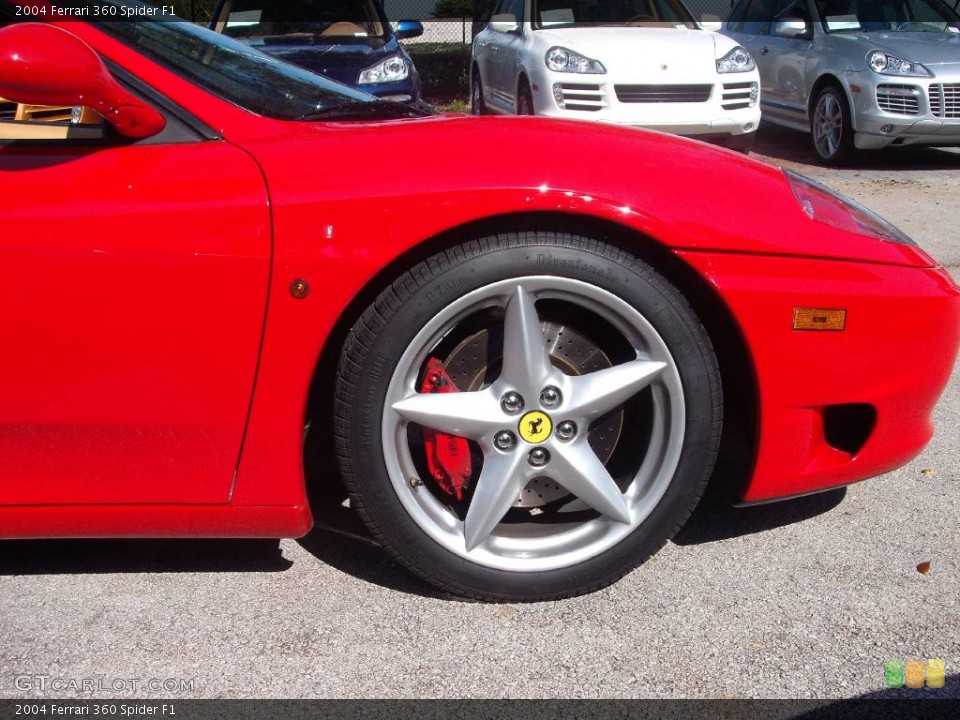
529,366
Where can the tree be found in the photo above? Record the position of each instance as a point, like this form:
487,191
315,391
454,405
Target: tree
453,9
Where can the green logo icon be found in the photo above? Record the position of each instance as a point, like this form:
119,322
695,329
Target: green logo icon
893,672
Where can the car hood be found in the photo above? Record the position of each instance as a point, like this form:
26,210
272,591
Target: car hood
926,48
639,50
682,192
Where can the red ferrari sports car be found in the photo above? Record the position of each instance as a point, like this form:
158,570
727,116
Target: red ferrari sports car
528,368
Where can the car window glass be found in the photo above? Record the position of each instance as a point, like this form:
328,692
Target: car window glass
888,16
791,9
735,18
232,70
515,8
756,20
551,13
303,22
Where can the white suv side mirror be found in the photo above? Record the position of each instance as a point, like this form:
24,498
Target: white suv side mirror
505,22
711,22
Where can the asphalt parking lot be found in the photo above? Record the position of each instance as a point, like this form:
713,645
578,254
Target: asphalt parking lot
800,599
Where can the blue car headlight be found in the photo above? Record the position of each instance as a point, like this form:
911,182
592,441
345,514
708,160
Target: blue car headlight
393,69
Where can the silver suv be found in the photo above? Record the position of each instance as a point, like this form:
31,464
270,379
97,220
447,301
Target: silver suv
856,73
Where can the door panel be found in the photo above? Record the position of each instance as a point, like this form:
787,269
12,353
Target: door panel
133,287
784,86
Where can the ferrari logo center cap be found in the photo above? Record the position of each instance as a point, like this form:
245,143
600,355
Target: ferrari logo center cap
535,427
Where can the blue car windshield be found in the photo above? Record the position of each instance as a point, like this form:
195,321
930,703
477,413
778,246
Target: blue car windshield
236,72
888,16
313,22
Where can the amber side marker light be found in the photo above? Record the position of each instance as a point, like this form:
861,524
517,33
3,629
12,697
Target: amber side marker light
819,319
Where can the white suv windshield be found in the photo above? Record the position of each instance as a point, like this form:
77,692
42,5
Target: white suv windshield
594,13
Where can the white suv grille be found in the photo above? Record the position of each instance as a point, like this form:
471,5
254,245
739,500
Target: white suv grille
580,96
737,96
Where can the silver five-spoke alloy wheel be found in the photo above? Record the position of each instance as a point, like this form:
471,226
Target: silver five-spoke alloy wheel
527,416
571,463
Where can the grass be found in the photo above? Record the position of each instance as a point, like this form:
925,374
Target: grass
451,105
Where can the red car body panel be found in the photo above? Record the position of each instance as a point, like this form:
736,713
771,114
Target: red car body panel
800,373
134,285
156,423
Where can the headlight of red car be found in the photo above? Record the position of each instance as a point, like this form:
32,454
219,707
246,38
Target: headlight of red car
824,205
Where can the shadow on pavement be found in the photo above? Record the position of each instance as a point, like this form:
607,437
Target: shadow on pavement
712,521
340,539
782,145
63,557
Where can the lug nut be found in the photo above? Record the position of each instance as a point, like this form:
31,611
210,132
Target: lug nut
566,430
538,457
504,440
550,397
511,403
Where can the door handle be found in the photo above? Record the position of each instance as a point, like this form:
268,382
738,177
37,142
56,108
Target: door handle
764,50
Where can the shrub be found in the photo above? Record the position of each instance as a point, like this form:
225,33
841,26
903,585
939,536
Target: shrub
444,69
453,9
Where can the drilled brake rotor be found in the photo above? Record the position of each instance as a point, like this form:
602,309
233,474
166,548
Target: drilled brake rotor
469,366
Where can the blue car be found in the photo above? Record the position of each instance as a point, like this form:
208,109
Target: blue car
349,41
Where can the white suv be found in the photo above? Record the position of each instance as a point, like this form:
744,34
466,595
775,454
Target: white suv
635,62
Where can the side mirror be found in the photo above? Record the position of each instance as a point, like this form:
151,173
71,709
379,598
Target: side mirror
505,23
44,65
791,28
711,22
408,29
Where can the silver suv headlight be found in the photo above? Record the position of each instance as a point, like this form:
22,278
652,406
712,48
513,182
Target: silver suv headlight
390,70
560,59
737,60
887,64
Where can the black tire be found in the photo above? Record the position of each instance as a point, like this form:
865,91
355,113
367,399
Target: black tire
478,105
376,348
831,126
525,100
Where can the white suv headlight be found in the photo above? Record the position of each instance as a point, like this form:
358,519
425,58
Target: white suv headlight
885,64
560,59
390,70
737,60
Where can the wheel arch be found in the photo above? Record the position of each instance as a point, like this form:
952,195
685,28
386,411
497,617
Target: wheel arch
523,81
738,446
821,82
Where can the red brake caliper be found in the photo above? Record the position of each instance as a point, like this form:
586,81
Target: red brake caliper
448,456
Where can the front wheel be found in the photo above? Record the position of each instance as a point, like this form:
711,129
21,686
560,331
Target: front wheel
832,129
525,101
478,105
527,417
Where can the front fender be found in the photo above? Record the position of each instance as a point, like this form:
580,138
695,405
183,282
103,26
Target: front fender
342,212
